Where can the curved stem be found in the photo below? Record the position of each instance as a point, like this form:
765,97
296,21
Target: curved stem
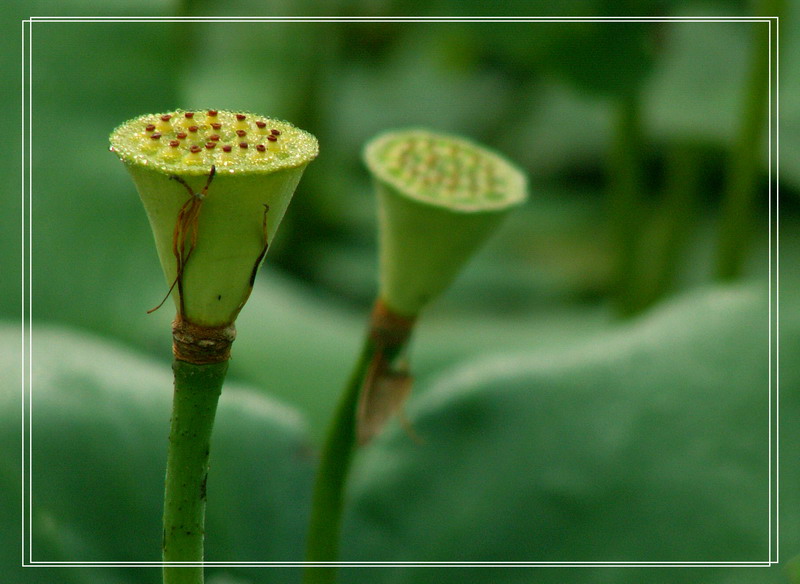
337,454
194,406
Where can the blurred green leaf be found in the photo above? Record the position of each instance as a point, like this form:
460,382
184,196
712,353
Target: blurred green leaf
644,443
99,424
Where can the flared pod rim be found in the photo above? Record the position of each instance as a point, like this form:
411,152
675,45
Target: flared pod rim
444,170
189,142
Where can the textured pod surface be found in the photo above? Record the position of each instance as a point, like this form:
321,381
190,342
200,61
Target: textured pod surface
445,170
189,143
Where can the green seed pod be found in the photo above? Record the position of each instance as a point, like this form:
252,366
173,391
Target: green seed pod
215,186
439,197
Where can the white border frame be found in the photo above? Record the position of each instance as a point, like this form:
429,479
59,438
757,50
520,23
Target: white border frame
27,299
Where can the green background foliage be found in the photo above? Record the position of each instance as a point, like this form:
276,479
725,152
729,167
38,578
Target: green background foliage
551,430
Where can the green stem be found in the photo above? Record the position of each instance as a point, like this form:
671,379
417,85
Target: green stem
625,199
736,220
668,235
197,391
328,498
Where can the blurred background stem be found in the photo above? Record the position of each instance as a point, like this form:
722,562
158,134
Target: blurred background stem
738,202
667,238
625,199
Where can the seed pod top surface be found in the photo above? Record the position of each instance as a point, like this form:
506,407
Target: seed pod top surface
446,171
190,142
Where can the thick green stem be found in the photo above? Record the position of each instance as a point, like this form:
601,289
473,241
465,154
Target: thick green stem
736,221
625,200
197,391
337,454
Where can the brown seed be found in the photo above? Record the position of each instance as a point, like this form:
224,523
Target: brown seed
261,148
272,138
214,137
195,149
241,133
155,135
227,148
180,135
216,125
189,115
261,124
174,143
165,117
275,132
193,128
212,113
150,127
242,144
210,145
241,117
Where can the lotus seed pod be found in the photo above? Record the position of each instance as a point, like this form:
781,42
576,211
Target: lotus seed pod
215,190
439,198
